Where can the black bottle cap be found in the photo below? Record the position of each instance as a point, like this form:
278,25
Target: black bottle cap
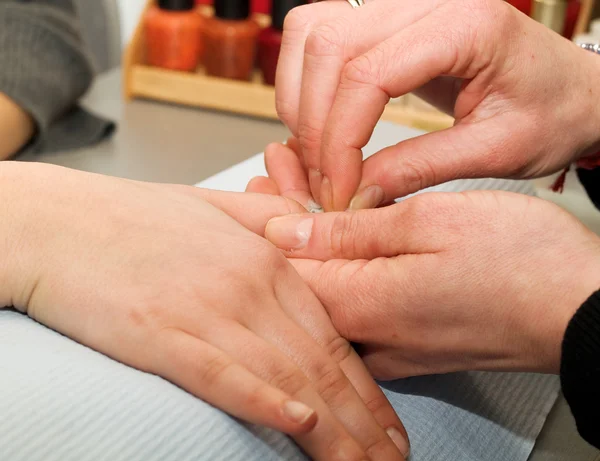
232,9
176,5
280,10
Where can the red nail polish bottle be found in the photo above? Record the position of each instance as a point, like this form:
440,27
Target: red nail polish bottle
573,11
230,38
173,31
522,5
269,41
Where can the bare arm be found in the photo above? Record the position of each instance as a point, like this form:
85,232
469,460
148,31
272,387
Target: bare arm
16,127
44,69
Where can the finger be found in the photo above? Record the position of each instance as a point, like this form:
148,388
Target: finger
468,150
346,289
214,377
415,226
329,47
285,169
298,25
294,144
250,210
328,438
396,66
339,374
262,185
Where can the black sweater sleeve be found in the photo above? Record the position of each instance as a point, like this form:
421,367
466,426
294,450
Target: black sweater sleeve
580,364
580,369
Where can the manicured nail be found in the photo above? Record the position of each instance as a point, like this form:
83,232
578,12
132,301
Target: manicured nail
368,198
290,232
297,411
400,442
326,194
314,182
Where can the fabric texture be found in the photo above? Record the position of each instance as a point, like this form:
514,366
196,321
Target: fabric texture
45,69
61,401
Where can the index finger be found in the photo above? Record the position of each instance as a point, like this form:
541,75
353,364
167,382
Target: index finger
397,66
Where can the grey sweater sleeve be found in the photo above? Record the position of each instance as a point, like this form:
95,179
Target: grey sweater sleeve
45,68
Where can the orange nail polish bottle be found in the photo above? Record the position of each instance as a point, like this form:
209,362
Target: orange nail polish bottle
230,38
173,31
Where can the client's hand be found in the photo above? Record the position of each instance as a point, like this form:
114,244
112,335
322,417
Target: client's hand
173,280
16,127
448,282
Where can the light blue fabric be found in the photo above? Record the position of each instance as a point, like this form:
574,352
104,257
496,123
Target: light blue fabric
60,401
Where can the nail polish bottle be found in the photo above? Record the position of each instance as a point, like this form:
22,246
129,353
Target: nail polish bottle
262,6
573,12
173,31
522,5
269,41
230,39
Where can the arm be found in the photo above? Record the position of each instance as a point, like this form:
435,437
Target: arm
44,68
16,127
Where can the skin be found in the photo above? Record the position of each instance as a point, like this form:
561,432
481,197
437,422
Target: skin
509,82
441,282
177,281
16,127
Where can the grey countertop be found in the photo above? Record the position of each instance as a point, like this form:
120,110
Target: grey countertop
164,143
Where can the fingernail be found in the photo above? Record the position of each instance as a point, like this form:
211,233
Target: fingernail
314,182
368,198
400,442
289,232
326,194
297,411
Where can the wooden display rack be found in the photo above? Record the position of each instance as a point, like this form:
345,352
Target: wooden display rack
247,98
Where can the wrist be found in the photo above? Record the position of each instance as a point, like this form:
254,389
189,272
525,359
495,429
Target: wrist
14,212
584,280
587,116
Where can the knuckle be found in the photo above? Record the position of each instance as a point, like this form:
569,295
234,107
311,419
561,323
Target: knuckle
361,71
146,313
299,19
341,236
338,349
289,380
326,40
416,172
377,404
309,136
210,372
330,382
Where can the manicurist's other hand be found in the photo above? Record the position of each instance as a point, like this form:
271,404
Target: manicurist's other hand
525,100
178,282
448,282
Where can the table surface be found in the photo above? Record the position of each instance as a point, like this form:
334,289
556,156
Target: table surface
173,144
165,143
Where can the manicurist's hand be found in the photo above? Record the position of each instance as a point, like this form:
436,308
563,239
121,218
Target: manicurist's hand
175,281
525,100
447,282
